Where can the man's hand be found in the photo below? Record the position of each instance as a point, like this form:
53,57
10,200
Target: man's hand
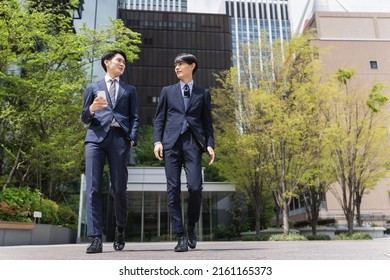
211,154
98,103
158,151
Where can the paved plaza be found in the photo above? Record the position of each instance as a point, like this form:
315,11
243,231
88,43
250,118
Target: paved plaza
376,249
237,260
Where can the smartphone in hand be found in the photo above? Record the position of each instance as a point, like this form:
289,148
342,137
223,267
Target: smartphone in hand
101,93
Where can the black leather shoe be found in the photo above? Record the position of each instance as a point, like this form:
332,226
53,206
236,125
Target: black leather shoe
182,245
119,242
96,246
192,239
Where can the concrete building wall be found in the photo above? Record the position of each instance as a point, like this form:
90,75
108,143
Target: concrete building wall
358,55
355,40
375,207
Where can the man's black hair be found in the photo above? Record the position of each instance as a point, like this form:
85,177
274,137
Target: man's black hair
109,55
187,58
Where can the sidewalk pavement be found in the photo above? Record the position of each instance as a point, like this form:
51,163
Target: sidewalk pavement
376,249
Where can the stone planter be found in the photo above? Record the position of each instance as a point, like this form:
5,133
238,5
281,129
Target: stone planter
268,232
14,233
331,232
374,232
16,225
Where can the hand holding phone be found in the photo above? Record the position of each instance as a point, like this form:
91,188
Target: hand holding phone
102,94
100,102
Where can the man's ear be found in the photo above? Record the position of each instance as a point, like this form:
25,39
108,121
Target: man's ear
106,62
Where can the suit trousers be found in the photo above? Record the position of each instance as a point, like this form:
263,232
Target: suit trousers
115,148
185,153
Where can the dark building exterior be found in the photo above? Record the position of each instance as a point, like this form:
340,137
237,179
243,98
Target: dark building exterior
166,34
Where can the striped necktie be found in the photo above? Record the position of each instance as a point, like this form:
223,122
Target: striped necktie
112,91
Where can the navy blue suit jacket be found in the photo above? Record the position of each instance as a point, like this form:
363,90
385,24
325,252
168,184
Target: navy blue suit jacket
125,112
170,115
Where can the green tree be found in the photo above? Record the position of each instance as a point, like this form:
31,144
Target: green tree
43,67
144,149
358,137
239,154
268,140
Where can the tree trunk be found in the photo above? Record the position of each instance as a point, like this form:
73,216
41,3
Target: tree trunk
350,218
315,207
277,210
13,170
286,228
358,203
257,223
313,227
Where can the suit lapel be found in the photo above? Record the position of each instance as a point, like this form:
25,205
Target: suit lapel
103,86
178,95
195,92
120,92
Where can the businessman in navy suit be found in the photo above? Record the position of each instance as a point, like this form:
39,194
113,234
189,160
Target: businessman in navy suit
183,130
110,110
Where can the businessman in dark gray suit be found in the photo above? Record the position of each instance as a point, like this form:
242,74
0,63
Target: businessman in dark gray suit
183,130
111,111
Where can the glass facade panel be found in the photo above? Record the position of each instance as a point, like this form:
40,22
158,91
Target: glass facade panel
134,226
154,5
148,215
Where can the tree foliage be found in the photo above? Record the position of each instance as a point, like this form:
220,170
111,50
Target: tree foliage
267,123
43,65
285,128
144,149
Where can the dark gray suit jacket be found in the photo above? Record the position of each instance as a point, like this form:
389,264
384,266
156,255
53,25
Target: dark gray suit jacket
125,112
170,115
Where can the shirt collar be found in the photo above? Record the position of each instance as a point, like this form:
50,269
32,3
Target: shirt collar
108,78
190,84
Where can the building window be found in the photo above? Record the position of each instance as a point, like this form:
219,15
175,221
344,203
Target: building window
152,99
148,41
373,64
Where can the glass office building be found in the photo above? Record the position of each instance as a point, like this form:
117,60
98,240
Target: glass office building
154,5
256,23
252,23
166,34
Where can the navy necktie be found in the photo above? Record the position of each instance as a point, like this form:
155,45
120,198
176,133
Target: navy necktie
186,98
186,91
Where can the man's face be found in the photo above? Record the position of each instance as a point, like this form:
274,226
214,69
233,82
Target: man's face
116,66
184,70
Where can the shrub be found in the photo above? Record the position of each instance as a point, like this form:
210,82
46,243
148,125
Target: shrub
67,217
19,204
354,236
6,211
49,211
256,237
287,237
223,232
318,237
